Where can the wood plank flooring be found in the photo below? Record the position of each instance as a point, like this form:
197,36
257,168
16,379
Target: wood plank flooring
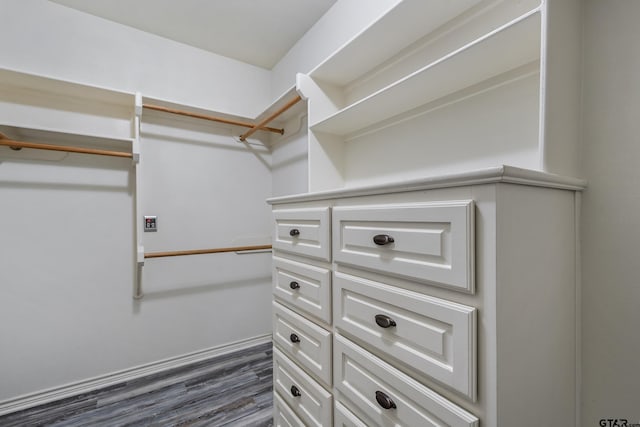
230,390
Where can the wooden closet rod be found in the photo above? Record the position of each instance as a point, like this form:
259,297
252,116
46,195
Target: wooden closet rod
38,146
206,251
211,118
259,126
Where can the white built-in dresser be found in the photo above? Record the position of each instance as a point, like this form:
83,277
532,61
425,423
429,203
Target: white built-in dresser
442,301
429,276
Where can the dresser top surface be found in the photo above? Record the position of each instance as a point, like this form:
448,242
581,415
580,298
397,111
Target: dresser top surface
498,174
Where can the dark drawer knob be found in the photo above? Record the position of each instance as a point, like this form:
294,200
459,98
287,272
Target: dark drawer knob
294,232
384,400
294,338
382,239
294,285
295,392
385,321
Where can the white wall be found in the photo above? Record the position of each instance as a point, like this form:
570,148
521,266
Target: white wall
290,167
41,37
67,258
66,221
610,220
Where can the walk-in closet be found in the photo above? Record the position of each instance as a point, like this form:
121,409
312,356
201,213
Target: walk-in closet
319,213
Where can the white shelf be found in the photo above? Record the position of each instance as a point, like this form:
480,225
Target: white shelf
66,89
261,136
38,102
292,112
56,137
389,34
508,47
188,108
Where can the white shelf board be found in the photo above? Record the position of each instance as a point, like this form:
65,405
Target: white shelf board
508,47
292,112
297,109
189,108
53,136
393,32
39,83
57,137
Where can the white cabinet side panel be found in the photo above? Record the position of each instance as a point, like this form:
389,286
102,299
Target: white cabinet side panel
536,294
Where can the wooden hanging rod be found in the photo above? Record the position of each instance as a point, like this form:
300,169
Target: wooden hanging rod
206,251
211,118
38,146
259,126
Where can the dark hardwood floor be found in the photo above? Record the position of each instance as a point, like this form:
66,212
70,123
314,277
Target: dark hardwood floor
231,390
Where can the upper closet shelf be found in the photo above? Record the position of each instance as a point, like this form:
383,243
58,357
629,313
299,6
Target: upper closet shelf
11,80
279,104
391,33
38,102
199,113
280,110
508,47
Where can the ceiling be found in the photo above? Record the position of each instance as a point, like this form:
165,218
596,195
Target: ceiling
258,32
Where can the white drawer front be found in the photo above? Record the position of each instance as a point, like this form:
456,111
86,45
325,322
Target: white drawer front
303,286
342,417
303,341
432,242
431,336
361,379
308,399
283,416
303,231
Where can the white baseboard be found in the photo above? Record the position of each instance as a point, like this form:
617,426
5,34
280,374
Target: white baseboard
56,393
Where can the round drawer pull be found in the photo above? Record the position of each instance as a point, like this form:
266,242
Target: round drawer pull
295,392
294,232
294,285
294,338
385,321
384,400
382,239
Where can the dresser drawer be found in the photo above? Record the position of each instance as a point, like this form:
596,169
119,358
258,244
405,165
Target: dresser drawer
283,416
308,399
304,287
303,231
430,242
303,341
367,384
342,417
428,335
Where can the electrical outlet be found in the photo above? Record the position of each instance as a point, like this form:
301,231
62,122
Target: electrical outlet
150,223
